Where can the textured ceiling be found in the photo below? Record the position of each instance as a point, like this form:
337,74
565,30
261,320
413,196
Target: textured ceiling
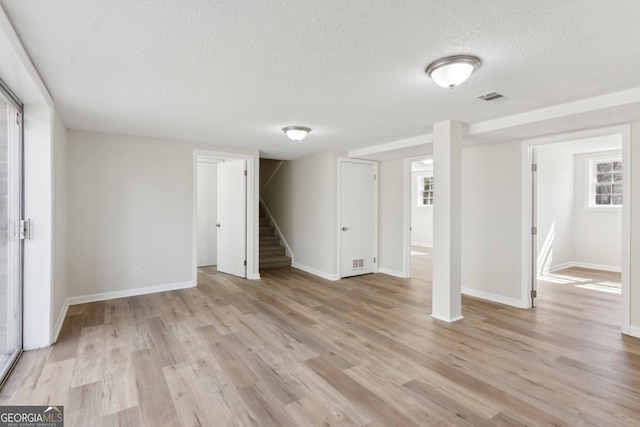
234,72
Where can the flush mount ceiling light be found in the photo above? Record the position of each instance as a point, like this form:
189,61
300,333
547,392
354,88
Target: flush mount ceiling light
296,133
452,70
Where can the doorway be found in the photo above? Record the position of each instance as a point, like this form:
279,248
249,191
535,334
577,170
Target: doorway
12,230
578,216
358,217
224,213
207,183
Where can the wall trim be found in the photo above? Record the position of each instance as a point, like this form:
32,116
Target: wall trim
611,268
454,319
633,331
391,272
315,272
500,299
124,293
60,321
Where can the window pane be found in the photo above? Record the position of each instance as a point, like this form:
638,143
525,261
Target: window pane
10,264
617,199
603,188
603,177
605,167
617,177
617,166
617,188
603,200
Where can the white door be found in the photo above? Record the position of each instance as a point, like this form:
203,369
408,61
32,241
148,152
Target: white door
232,213
357,218
207,212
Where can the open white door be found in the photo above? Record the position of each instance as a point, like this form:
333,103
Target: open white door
232,214
357,218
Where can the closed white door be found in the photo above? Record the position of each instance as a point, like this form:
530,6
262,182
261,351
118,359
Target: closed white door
357,218
232,216
207,212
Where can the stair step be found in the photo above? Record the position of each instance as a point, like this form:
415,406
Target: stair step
266,231
270,240
272,250
275,261
264,222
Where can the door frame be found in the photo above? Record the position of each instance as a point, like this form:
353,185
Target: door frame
342,160
251,210
528,216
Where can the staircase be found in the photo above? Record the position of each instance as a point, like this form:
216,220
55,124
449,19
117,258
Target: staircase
272,254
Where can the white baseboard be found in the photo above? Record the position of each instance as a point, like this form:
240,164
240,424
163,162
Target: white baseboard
444,319
634,331
315,272
256,276
60,321
390,272
611,268
113,295
493,297
426,245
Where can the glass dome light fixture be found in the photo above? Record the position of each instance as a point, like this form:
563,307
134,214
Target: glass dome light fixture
452,70
296,133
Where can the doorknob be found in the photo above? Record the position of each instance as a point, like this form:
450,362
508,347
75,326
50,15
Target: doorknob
218,225
344,228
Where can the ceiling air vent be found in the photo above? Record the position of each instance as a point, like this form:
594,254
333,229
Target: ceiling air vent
491,96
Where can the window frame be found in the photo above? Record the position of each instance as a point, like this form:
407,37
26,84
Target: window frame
420,188
591,182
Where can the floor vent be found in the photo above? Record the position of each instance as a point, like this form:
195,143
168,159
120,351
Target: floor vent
358,264
491,96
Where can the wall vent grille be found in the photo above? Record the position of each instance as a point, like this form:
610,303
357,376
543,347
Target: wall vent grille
358,264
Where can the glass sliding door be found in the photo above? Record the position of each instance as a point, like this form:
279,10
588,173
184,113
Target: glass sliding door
10,230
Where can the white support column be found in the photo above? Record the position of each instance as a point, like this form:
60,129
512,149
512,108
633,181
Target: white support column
447,211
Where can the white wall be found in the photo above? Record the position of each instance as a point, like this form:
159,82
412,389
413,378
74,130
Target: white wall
131,205
302,198
267,170
390,216
597,236
38,206
60,202
634,268
421,216
491,215
555,207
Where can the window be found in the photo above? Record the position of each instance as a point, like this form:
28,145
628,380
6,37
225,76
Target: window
10,241
425,191
605,183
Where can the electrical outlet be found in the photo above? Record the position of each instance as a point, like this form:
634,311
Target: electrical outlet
136,273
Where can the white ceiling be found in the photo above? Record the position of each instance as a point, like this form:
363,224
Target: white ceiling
234,72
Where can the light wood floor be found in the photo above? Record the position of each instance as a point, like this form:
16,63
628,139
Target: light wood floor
293,349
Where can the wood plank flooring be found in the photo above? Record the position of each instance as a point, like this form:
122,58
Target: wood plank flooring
296,350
